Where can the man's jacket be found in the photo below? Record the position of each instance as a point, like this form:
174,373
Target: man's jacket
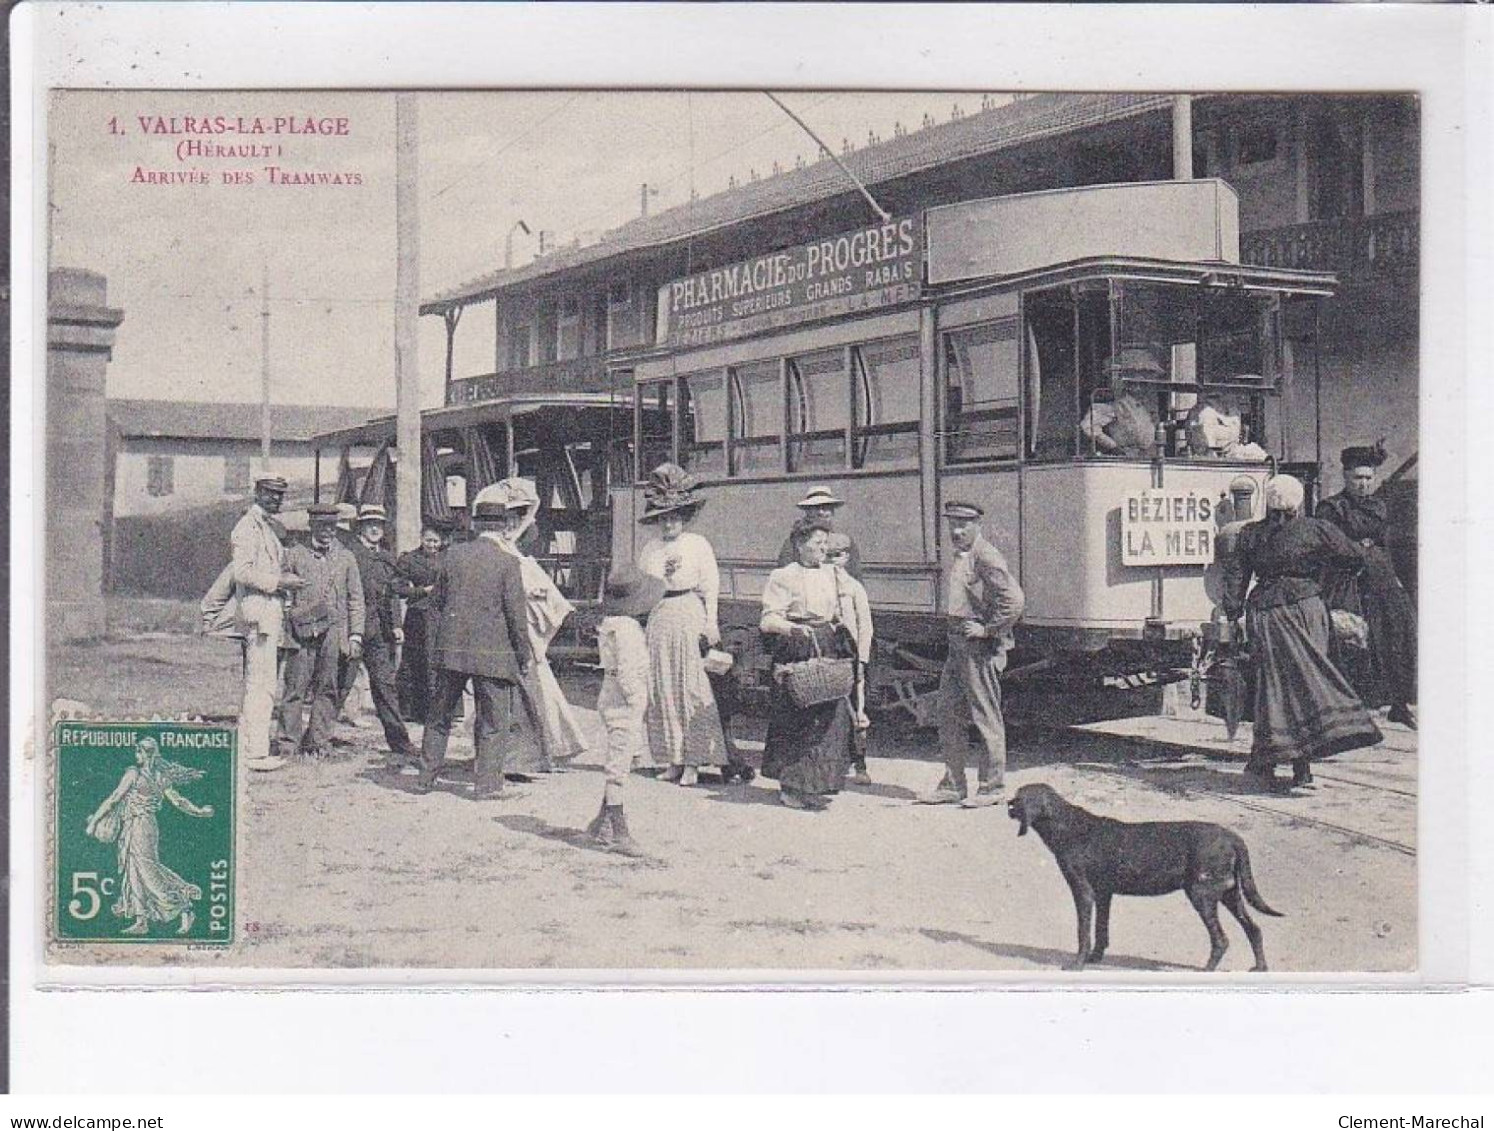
479,612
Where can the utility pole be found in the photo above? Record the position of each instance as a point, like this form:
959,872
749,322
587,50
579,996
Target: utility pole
264,370
406,314
1182,137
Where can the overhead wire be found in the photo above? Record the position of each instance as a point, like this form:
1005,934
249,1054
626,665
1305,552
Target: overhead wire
693,165
522,136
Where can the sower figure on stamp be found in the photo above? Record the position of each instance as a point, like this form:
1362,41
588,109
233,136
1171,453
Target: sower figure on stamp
259,587
983,603
326,626
481,636
382,589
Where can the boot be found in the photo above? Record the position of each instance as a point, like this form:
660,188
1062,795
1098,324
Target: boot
600,826
620,840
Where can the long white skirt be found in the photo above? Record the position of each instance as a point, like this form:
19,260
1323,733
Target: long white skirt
684,728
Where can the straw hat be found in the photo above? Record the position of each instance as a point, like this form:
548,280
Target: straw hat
820,497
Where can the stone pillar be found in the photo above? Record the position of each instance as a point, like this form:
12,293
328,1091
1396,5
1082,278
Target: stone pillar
80,338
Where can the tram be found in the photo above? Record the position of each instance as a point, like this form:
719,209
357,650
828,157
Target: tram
1094,366
574,446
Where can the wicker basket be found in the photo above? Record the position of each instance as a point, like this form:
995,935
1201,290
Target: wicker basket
818,679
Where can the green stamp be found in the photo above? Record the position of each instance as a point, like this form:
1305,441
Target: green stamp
144,832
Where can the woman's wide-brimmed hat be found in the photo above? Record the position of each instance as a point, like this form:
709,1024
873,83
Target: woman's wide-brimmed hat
631,593
671,489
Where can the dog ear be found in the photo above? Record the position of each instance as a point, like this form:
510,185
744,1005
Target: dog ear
1022,815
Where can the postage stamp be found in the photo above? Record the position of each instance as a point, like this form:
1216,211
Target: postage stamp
144,832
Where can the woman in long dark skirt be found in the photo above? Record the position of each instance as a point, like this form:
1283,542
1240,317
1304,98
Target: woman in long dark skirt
415,680
807,748
1387,675
1305,708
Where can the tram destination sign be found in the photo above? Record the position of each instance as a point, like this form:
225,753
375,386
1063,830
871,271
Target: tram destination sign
1160,527
843,274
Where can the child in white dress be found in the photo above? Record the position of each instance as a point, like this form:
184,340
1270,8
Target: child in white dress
623,700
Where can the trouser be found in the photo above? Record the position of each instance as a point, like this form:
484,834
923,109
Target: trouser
347,675
970,692
258,708
493,699
310,681
378,661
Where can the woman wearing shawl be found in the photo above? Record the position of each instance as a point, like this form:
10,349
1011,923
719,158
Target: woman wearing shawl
1387,676
1305,707
559,735
148,890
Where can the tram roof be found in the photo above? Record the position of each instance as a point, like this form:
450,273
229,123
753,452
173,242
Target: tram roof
381,428
987,131
1218,272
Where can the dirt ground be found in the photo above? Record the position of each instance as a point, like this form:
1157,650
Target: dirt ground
342,866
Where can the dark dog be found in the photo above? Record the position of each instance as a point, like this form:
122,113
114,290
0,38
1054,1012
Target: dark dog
1100,857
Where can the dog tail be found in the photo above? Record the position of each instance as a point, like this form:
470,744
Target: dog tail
1246,880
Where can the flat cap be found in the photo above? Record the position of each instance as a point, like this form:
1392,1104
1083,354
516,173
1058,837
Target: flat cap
271,483
958,508
322,512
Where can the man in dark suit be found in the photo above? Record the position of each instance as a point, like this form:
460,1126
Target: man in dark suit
481,634
983,603
383,586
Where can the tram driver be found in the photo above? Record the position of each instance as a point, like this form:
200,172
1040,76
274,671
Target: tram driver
1124,425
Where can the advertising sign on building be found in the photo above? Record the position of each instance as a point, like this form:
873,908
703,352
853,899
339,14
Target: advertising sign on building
1161,527
862,270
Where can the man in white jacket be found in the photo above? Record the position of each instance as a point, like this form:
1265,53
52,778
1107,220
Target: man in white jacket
259,585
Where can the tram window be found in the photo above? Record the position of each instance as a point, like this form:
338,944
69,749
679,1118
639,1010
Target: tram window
1052,413
886,383
981,400
818,407
655,425
756,418
703,423
1239,337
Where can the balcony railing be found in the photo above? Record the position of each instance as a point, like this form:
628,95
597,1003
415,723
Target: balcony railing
579,375
1388,244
